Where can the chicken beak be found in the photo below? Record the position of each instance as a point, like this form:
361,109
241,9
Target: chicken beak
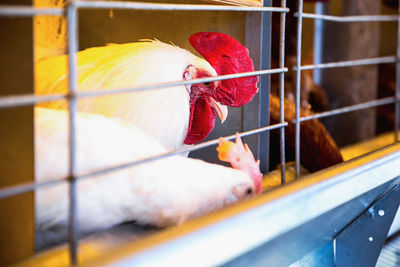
221,110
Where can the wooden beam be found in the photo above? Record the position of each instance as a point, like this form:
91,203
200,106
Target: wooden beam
16,142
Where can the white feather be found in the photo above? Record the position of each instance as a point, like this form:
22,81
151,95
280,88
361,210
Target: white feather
162,113
161,193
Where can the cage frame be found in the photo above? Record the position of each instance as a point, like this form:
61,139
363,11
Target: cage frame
70,11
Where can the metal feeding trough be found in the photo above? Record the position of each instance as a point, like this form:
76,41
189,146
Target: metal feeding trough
338,217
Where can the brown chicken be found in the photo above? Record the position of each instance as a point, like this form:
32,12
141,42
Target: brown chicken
312,95
318,150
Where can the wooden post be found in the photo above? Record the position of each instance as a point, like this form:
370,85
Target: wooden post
348,86
16,142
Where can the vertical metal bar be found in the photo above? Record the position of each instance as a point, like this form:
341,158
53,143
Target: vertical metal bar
397,105
318,40
263,152
281,91
298,85
72,22
251,111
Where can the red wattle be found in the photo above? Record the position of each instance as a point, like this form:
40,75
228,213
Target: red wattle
201,122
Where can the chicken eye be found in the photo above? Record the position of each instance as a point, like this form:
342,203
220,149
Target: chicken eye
207,83
249,191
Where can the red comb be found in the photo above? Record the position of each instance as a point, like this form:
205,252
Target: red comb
227,56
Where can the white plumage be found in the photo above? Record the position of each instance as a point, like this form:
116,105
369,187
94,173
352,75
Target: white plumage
162,113
160,193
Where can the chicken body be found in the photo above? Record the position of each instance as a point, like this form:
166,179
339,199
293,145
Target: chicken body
160,193
162,113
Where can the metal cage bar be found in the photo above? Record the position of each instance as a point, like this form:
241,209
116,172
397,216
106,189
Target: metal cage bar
30,99
23,188
264,88
361,106
172,7
397,105
281,91
73,96
298,86
9,10
351,63
347,63
72,38
363,18
27,11
318,40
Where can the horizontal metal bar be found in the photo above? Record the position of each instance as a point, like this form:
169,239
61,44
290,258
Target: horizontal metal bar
181,151
180,83
349,63
10,191
174,7
364,18
369,104
27,11
23,100
28,99
27,187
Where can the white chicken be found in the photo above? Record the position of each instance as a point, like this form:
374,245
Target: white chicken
160,193
175,115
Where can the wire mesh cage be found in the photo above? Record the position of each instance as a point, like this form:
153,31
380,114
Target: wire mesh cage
261,128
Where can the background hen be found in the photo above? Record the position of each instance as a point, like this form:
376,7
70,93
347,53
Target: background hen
318,149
